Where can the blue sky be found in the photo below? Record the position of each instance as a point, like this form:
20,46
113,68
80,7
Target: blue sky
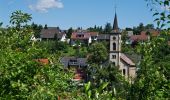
82,13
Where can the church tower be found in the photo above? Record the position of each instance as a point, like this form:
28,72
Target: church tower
115,43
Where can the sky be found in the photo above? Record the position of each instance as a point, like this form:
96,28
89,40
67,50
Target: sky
79,13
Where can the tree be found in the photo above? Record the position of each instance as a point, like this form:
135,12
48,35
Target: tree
21,76
152,80
95,29
141,27
116,85
162,17
70,31
98,53
128,29
149,26
108,28
18,18
45,27
1,23
37,29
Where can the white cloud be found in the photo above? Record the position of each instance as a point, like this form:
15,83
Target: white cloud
44,5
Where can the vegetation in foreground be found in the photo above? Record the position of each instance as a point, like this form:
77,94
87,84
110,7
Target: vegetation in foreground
22,77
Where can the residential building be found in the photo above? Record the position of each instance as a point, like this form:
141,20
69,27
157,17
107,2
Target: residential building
77,64
103,37
74,62
52,33
81,38
144,36
33,38
94,35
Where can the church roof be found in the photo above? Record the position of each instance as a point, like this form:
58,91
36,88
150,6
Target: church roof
127,60
115,23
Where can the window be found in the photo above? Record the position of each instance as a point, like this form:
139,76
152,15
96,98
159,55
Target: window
114,46
124,71
113,56
113,63
114,38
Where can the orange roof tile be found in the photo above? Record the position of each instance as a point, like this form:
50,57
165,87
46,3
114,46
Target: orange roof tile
94,33
42,61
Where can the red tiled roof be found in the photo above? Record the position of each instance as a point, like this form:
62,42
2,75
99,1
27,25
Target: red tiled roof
94,33
127,60
42,61
80,35
154,32
141,37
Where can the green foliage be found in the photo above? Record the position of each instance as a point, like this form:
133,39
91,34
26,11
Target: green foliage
45,27
162,17
61,46
53,46
70,31
141,27
1,23
36,29
108,28
98,53
152,79
96,92
106,82
82,52
96,29
21,76
18,18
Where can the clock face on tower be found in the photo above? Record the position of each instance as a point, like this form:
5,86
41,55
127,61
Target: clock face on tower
114,38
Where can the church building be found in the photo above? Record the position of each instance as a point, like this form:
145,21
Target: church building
125,64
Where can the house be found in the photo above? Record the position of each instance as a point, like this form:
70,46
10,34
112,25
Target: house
153,33
52,33
103,37
33,38
78,64
94,35
74,62
144,36
85,37
81,37
139,38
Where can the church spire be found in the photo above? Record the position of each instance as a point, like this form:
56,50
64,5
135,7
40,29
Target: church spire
115,23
